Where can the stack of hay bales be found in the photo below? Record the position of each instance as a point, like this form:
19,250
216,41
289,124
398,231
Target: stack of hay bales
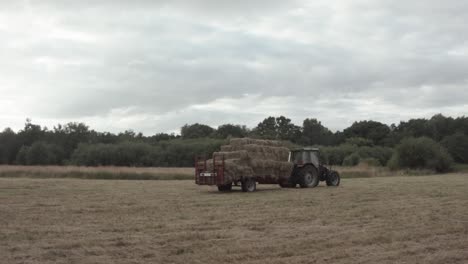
246,157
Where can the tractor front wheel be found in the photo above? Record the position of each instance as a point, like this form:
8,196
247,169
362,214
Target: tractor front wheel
248,185
308,177
333,179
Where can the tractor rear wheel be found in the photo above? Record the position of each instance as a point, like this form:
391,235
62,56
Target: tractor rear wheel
333,179
248,185
225,188
308,177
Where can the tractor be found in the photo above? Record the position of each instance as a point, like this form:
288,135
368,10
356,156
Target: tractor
308,171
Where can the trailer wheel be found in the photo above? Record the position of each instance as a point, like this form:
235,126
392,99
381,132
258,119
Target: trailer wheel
225,188
249,185
308,177
333,179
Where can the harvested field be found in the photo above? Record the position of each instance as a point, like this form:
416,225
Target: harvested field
111,173
365,220
134,173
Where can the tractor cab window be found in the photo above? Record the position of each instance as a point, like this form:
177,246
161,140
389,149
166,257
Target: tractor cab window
297,156
303,157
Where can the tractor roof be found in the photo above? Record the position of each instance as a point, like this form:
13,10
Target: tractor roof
304,149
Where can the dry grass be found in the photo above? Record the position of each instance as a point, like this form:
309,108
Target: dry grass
114,173
366,171
366,220
136,173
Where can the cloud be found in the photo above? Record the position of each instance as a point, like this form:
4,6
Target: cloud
156,65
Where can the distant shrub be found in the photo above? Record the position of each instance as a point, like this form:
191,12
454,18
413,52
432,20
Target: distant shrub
421,153
21,156
393,163
352,160
371,162
457,146
382,154
359,141
336,155
173,153
40,153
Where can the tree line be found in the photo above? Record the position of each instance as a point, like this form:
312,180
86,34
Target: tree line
427,143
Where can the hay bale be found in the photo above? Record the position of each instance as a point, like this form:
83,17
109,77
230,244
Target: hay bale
246,157
239,154
262,142
234,169
264,152
272,168
226,148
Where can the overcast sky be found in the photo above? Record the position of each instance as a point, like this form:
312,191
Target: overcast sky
153,66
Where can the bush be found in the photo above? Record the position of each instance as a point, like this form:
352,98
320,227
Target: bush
359,141
381,154
40,153
336,155
393,163
371,162
352,160
173,153
421,153
457,146
21,156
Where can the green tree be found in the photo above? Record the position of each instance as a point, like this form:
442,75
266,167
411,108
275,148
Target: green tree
42,153
280,128
196,131
267,128
286,130
31,133
227,130
372,130
70,135
9,146
162,137
21,155
314,133
440,126
359,141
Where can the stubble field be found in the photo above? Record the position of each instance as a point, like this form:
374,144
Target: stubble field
419,219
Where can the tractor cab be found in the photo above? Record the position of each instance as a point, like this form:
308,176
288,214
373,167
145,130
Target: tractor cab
303,156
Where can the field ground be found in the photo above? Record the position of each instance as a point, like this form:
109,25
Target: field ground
110,172
134,173
365,220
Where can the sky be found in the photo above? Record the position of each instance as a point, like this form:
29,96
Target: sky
153,66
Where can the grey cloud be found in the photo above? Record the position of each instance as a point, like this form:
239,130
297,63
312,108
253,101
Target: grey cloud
154,60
